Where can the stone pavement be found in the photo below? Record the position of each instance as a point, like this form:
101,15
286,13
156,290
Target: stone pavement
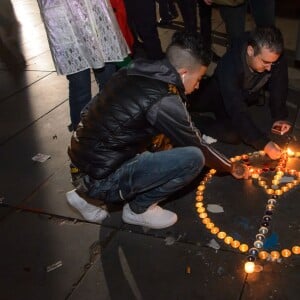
48,251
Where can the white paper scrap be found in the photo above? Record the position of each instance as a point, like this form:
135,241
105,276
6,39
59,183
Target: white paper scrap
208,139
215,208
40,157
286,179
214,244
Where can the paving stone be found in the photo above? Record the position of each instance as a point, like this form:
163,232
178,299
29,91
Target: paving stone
32,243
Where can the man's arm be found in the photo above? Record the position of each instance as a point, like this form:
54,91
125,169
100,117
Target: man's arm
170,116
278,89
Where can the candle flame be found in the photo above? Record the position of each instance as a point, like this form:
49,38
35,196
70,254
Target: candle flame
290,152
249,267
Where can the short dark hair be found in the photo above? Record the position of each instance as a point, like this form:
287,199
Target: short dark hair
269,37
187,50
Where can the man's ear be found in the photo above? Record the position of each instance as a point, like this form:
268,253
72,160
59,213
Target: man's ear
250,51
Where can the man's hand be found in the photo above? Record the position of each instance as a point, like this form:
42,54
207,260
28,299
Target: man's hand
281,127
273,150
208,2
239,170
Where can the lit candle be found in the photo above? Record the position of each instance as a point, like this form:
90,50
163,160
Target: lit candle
228,240
296,249
235,244
203,215
263,254
243,248
290,185
290,152
275,181
210,225
292,172
249,267
212,171
275,255
201,187
261,183
255,175
278,192
199,198
221,235
199,204
206,220
286,253
285,188
270,191
201,210
215,230
258,244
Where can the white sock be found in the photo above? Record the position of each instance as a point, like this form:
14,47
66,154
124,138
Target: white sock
89,212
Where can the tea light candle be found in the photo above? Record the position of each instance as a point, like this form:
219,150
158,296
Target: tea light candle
296,249
263,254
235,244
199,198
249,267
228,240
243,248
275,255
215,230
221,235
206,220
203,215
286,253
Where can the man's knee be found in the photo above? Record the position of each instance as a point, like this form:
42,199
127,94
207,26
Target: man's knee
194,158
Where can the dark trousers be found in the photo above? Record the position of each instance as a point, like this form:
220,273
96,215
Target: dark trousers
215,122
142,21
188,10
167,9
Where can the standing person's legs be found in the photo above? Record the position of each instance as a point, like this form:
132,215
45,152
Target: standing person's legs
164,11
104,74
189,14
234,19
143,17
263,12
79,94
205,12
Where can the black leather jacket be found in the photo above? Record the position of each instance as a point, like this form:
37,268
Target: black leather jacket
137,103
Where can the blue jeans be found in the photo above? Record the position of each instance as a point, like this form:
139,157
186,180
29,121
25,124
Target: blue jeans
80,89
148,178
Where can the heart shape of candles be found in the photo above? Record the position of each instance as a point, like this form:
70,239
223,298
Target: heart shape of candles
273,191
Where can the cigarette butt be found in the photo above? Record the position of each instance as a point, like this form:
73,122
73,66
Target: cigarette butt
188,270
54,266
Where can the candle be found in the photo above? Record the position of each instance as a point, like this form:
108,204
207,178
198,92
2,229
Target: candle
235,244
221,235
296,249
249,267
228,240
243,248
275,255
215,230
263,255
286,253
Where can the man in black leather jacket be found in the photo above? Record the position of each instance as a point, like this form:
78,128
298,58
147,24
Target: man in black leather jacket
138,103
254,61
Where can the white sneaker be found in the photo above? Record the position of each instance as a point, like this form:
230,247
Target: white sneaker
89,212
154,217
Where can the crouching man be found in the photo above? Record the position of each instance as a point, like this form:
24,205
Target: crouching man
146,99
